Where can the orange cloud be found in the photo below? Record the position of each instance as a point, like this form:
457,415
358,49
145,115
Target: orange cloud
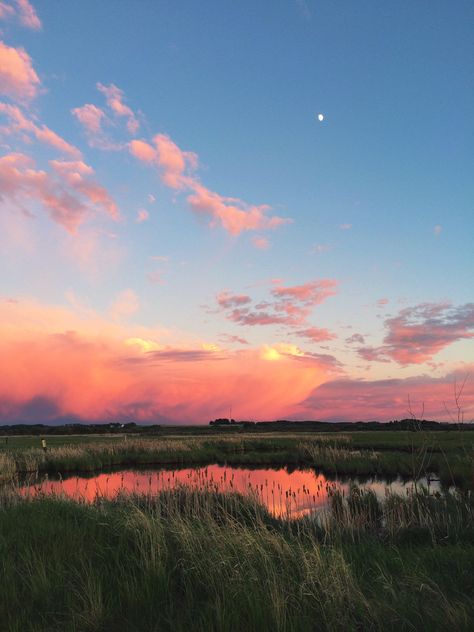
18,79
94,370
98,370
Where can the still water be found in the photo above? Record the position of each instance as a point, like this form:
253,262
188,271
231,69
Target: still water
285,493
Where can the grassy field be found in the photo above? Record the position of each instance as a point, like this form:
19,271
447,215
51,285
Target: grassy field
197,561
449,455
193,560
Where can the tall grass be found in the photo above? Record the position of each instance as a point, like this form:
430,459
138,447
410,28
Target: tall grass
188,560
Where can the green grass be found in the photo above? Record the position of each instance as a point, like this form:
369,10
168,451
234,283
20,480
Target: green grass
198,561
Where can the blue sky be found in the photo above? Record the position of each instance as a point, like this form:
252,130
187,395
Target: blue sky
379,195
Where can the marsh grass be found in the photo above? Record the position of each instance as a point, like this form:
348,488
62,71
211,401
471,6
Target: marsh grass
191,560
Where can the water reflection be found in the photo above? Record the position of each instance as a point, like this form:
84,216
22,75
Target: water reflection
285,493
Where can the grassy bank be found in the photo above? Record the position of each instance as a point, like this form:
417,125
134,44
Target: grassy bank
449,455
196,561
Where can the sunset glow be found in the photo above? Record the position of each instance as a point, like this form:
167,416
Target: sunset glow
181,230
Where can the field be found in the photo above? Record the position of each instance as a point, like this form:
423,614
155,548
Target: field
193,560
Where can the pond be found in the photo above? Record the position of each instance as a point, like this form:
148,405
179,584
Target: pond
285,493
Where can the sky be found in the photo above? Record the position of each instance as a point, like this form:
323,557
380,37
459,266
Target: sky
264,208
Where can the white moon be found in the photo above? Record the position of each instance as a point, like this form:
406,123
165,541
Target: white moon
320,118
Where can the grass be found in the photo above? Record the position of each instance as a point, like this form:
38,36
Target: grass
449,455
189,560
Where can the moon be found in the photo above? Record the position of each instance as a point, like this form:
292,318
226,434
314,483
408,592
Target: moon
320,118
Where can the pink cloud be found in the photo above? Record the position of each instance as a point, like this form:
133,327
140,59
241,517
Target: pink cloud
6,11
27,15
142,151
372,354
311,293
169,159
176,166
21,124
384,400
156,277
46,135
66,194
97,370
226,300
100,370
142,216
18,79
261,243
292,306
75,174
232,214
249,318
420,332
356,339
24,13
316,334
126,304
114,97
345,226
90,117
93,119
233,339
382,302
173,161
